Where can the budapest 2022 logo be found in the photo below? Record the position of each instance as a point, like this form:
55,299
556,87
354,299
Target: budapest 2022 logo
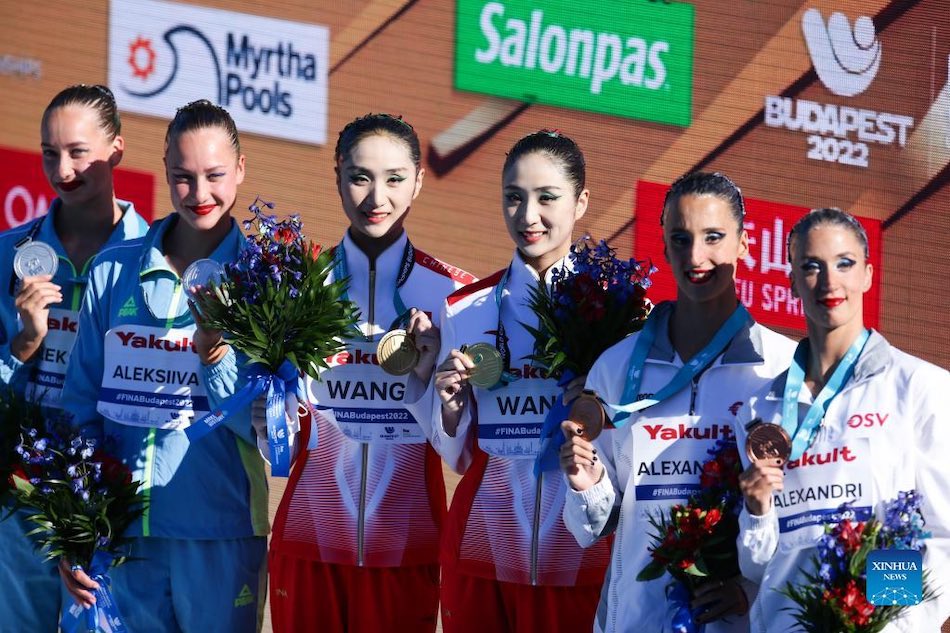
270,74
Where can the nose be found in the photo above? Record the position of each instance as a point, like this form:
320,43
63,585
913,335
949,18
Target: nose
377,195
697,253
201,188
531,211
64,168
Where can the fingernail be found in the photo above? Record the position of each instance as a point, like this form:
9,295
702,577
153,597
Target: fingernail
595,458
595,451
579,431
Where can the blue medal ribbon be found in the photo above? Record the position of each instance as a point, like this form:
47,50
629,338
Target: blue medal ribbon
84,619
276,386
548,458
803,433
683,619
501,338
686,373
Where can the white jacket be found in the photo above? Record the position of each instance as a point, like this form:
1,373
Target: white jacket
750,361
504,523
362,495
892,414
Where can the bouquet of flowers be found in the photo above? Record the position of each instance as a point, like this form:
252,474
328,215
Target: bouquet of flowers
275,305
81,500
590,306
834,595
696,542
15,411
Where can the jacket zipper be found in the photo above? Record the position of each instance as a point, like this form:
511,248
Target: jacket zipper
364,447
535,529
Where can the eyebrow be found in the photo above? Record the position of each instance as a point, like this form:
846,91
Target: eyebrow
391,170
544,188
74,144
212,168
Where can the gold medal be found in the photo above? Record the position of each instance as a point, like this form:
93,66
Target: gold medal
488,364
396,353
588,413
768,442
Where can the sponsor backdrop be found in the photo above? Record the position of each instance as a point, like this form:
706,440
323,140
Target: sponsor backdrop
842,103
816,103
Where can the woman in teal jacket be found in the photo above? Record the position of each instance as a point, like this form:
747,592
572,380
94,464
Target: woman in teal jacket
141,372
82,144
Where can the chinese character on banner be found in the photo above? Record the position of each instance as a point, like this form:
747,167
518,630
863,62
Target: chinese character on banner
762,276
26,194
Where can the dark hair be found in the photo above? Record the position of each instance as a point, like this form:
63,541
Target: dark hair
704,183
97,97
373,124
828,215
562,149
199,115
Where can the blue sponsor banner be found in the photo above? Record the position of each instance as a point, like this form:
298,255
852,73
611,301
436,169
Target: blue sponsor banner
50,379
370,416
815,517
666,491
153,400
517,430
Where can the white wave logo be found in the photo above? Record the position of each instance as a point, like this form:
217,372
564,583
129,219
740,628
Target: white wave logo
845,59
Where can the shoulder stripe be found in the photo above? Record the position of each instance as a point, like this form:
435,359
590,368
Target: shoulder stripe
428,261
488,282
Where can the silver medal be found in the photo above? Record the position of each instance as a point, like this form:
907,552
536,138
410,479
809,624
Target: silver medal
35,258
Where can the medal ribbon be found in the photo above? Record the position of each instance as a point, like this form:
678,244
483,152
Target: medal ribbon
803,433
686,373
277,386
340,271
501,338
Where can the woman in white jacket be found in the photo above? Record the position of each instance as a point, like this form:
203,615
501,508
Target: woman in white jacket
859,435
508,562
692,367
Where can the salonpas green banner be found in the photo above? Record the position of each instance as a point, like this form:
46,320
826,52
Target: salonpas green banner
629,58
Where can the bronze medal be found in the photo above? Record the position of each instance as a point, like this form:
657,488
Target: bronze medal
588,413
768,442
488,365
396,353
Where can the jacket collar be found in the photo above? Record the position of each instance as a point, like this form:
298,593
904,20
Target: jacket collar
745,348
153,256
873,360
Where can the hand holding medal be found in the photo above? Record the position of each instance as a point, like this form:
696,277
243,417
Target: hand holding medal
416,347
768,447
588,413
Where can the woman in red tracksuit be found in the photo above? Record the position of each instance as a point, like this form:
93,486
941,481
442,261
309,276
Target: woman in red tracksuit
509,564
355,539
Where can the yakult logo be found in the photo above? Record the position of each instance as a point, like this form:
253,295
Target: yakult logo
271,75
845,58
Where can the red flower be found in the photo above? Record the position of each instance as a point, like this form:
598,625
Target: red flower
315,250
712,518
113,470
284,236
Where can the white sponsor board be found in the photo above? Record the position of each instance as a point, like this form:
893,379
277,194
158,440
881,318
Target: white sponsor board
270,74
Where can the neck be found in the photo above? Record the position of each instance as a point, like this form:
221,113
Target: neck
543,263
693,325
373,247
183,244
88,220
826,348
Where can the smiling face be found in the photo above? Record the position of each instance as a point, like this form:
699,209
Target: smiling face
703,243
203,172
541,208
830,274
78,155
378,181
